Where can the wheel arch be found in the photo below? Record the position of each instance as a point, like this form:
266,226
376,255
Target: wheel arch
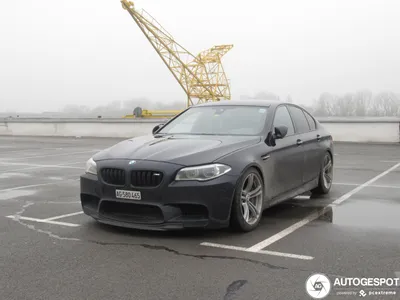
253,165
245,169
330,153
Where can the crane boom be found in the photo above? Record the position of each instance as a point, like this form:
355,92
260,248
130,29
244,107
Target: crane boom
201,76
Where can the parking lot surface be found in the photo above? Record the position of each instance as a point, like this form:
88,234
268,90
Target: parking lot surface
50,250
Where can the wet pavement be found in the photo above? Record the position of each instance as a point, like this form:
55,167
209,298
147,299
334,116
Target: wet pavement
50,250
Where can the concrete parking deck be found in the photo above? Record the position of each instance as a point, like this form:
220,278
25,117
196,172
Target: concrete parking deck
50,250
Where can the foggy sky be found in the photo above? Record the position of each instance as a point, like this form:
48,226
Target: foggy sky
54,53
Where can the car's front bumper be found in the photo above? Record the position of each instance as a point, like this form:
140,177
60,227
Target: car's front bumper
172,206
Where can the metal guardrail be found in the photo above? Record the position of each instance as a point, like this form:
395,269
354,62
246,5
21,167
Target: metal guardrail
370,130
358,120
159,119
79,120
138,113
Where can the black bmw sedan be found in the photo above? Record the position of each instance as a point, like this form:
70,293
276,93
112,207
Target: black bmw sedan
214,165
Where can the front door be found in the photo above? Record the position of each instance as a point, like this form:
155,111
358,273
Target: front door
287,157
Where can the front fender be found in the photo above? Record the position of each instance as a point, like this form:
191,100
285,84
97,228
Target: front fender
244,159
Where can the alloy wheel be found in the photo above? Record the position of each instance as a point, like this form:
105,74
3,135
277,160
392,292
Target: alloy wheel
327,171
251,199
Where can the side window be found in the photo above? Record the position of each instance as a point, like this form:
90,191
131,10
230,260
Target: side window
282,118
299,119
311,121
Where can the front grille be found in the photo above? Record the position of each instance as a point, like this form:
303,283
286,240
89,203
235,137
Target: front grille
146,178
113,176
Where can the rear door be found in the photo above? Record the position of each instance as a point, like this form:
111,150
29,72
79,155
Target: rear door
287,156
314,159
305,129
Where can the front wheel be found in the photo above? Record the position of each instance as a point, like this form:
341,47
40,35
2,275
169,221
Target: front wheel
248,201
325,176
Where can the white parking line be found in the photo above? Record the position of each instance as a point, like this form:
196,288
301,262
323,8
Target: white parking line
36,185
289,255
43,221
360,187
30,150
371,185
43,167
302,197
50,155
38,166
64,216
356,167
265,243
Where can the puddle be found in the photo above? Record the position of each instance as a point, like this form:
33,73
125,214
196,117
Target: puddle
55,178
12,175
369,214
327,216
15,194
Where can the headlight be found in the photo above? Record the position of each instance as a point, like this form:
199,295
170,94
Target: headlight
202,173
91,167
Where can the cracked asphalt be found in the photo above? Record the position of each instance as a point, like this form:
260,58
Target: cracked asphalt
81,259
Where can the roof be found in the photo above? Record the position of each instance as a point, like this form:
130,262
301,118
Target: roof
267,103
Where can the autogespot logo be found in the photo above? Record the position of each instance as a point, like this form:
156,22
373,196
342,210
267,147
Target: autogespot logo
318,286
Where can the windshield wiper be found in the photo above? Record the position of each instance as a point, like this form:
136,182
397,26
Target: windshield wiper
204,134
161,134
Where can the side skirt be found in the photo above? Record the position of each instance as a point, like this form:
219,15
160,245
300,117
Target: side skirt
293,193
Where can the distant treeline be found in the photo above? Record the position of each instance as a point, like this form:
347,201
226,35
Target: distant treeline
359,104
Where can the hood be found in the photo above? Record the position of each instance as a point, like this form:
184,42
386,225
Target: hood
182,150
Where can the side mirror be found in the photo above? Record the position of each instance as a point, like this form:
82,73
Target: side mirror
280,132
157,128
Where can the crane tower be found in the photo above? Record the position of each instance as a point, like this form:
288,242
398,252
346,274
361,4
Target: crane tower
202,77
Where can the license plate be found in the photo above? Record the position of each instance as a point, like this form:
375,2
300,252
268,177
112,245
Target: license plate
130,195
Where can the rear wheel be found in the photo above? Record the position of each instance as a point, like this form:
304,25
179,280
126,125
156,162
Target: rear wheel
248,202
325,176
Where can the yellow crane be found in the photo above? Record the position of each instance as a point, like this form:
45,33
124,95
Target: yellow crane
202,77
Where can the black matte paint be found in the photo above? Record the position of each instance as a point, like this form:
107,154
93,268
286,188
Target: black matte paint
289,168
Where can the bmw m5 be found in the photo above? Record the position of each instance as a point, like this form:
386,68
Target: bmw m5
214,165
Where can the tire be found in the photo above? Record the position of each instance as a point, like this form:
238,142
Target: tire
325,176
242,198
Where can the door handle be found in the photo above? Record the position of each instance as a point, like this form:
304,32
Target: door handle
265,157
318,137
299,142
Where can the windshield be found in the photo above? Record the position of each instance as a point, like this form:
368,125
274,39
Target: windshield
219,120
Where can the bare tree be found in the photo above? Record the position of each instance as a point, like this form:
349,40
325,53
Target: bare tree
325,105
361,103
